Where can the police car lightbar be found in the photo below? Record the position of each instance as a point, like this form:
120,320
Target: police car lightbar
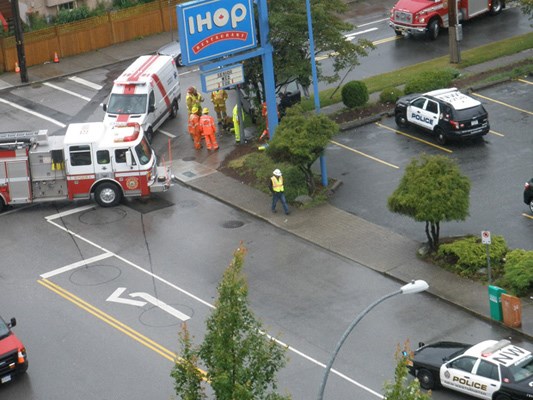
495,347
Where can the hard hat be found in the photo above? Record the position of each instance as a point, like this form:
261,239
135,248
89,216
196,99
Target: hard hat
194,110
205,110
277,172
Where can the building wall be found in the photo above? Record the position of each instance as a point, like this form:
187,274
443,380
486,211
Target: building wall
51,7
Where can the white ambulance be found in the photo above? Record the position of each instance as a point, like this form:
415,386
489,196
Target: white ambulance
147,93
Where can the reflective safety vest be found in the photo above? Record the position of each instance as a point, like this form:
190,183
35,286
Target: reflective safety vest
219,97
194,100
193,123
207,124
277,183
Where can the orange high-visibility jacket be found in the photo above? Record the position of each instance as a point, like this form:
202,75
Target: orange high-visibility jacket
207,125
194,120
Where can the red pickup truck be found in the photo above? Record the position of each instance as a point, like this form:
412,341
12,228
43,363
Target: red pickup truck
13,359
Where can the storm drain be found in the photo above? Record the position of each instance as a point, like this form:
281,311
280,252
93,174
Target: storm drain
144,206
232,224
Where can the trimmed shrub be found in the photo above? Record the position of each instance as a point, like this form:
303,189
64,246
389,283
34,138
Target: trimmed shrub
518,272
467,256
431,80
390,95
65,16
354,94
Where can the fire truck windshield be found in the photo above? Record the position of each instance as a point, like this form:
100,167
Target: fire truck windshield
144,152
127,104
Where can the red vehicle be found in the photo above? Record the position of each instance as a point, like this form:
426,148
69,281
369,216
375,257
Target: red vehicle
428,16
107,161
13,359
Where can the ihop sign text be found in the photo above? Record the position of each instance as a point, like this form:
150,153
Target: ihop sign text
212,29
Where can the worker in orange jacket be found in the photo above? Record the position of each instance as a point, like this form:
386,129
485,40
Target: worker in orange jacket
208,129
194,128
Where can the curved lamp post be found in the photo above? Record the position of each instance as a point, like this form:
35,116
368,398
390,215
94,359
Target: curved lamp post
412,287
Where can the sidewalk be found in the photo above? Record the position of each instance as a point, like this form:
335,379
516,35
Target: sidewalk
371,245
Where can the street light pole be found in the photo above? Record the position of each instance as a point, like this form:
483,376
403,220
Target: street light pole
412,287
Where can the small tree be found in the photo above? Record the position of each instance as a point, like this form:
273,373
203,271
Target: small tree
241,361
432,190
401,389
300,139
527,7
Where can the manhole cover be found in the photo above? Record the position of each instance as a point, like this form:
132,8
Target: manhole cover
189,158
232,224
93,275
102,216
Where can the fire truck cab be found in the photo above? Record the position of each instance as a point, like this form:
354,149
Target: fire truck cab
428,16
106,161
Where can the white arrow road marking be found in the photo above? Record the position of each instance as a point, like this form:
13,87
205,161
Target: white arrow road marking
163,306
115,297
352,35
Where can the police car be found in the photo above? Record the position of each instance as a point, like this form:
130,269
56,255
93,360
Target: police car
447,113
495,370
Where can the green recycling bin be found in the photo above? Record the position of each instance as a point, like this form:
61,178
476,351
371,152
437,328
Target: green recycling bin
495,302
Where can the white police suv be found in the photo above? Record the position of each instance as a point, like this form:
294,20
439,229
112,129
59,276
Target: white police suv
495,370
447,113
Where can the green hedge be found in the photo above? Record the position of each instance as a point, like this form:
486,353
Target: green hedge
431,80
518,272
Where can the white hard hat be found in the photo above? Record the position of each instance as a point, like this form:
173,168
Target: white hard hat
277,172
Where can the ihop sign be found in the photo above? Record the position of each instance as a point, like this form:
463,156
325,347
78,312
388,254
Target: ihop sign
210,29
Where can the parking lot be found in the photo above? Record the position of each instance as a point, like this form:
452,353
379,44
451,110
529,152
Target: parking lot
371,160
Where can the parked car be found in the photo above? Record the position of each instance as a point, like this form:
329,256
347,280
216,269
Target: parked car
492,370
447,113
172,49
13,359
528,194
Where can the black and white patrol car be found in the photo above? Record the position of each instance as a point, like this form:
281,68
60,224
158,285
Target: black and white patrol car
447,113
495,370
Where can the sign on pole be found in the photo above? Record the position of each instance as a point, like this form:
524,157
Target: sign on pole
212,29
222,78
485,237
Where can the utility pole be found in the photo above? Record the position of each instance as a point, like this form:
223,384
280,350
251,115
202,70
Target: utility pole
455,32
19,39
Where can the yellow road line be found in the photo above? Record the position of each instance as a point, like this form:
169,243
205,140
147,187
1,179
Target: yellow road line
414,138
527,215
386,40
524,81
502,103
363,154
108,319
496,133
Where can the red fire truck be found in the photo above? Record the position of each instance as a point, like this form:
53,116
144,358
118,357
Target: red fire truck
109,161
428,16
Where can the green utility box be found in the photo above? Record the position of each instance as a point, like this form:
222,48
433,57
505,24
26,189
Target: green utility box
495,302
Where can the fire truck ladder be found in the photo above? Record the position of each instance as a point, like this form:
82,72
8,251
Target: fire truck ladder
20,138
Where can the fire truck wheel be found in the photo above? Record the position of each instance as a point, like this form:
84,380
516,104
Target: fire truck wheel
398,32
433,29
174,109
496,7
107,194
2,204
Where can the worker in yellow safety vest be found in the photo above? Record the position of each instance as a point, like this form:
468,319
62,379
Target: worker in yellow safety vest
193,99
218,98
236,125
278,191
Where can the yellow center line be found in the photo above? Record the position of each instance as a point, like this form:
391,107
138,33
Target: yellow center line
527,215
502,103
125,329
496,133
414,138
524,81
363,154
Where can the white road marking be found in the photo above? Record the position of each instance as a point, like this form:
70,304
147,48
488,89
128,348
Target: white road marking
15,105
67,91
115,298
209,305
170,135
373,22
82,81
352,35
76,265
163,306
69,212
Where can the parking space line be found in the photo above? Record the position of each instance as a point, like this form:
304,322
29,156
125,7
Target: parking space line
496,133
170,135
502,103
524,81
27,110
84,82
69,212
51,85
128,331
414,138
363,154
75,265
527,215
